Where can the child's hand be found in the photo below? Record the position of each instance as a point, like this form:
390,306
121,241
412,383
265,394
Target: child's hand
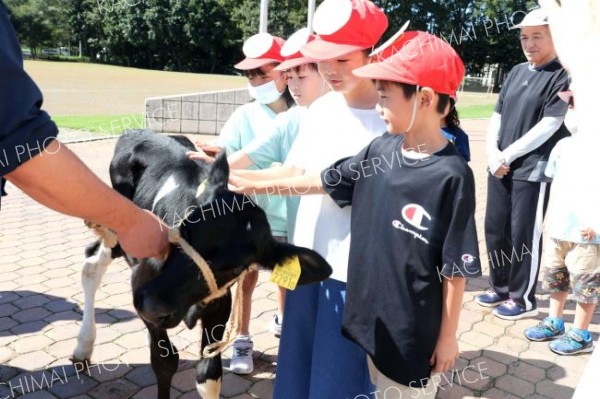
587,234
445,353
241,185
210,150
200,155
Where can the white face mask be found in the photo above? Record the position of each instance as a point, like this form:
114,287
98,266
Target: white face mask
264,94
571,121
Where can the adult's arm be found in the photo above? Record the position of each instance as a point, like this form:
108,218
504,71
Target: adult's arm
58,179
493,153
534,138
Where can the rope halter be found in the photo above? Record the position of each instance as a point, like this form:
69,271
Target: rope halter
109,240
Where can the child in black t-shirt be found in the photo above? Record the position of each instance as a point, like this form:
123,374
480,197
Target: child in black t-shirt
413,229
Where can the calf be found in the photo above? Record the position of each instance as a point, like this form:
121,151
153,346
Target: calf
226,229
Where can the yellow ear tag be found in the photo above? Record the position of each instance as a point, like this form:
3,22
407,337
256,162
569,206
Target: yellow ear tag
287,274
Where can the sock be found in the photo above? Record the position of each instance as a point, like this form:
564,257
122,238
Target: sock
557,322
585,334
243,337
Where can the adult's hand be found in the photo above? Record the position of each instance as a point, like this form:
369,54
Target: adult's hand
502,171
145,237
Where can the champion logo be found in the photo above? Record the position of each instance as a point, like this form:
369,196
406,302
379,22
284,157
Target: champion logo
415,215
467,258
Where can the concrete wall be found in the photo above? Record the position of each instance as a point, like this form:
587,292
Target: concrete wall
204,113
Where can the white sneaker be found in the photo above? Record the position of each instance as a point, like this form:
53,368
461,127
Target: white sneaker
275,326
241,359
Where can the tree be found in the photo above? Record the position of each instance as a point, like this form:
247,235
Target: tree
39,23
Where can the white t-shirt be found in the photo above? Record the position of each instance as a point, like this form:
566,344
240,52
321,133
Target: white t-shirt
330,131
569,211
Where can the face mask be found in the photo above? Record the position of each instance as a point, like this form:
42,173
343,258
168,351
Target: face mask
264,94
571,121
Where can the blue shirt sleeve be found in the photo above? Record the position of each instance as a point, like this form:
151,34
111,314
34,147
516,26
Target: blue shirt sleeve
25,130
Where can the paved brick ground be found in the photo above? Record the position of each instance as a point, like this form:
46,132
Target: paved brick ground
40,298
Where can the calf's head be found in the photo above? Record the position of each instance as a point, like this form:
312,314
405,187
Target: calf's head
230,232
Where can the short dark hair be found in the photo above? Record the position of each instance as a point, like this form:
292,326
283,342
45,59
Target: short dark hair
310,65
251,73
410,90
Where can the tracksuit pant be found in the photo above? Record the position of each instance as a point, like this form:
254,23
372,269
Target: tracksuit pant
513,230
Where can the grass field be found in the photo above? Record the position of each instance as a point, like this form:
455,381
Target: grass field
107,99
105,124
94,89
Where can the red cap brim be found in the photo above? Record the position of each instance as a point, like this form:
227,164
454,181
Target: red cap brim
253,63
294,62
321,50
378,72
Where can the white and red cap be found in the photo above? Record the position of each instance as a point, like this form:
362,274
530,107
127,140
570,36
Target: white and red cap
261,49
417,58
291,50
343,27
537,17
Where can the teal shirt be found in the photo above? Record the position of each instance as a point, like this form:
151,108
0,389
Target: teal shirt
275,147
247,123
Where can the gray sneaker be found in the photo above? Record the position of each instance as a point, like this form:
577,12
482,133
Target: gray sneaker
241,359
275,326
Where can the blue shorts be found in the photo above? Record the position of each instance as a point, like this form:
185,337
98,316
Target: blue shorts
315,361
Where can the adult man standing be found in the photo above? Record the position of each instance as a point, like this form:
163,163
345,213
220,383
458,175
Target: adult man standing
526,124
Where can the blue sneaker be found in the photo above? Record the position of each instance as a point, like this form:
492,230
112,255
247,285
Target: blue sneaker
571,344
510,310
544,331
490,299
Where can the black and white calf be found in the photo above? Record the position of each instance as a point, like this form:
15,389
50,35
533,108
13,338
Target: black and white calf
226,229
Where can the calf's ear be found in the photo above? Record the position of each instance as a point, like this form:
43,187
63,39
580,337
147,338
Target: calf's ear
313,266
219,172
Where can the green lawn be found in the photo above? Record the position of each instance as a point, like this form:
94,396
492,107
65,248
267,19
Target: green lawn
102,124
111,125
475,111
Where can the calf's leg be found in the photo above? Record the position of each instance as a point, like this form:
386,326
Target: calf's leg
209,371
94,268
164,358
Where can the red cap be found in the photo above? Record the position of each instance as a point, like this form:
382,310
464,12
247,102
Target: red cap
343,27
291,50
261,49
418,58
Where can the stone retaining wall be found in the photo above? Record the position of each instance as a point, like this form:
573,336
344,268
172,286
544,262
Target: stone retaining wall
203,113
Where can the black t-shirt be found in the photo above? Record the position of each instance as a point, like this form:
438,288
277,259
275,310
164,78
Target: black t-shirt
24,128
412,226
527,96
